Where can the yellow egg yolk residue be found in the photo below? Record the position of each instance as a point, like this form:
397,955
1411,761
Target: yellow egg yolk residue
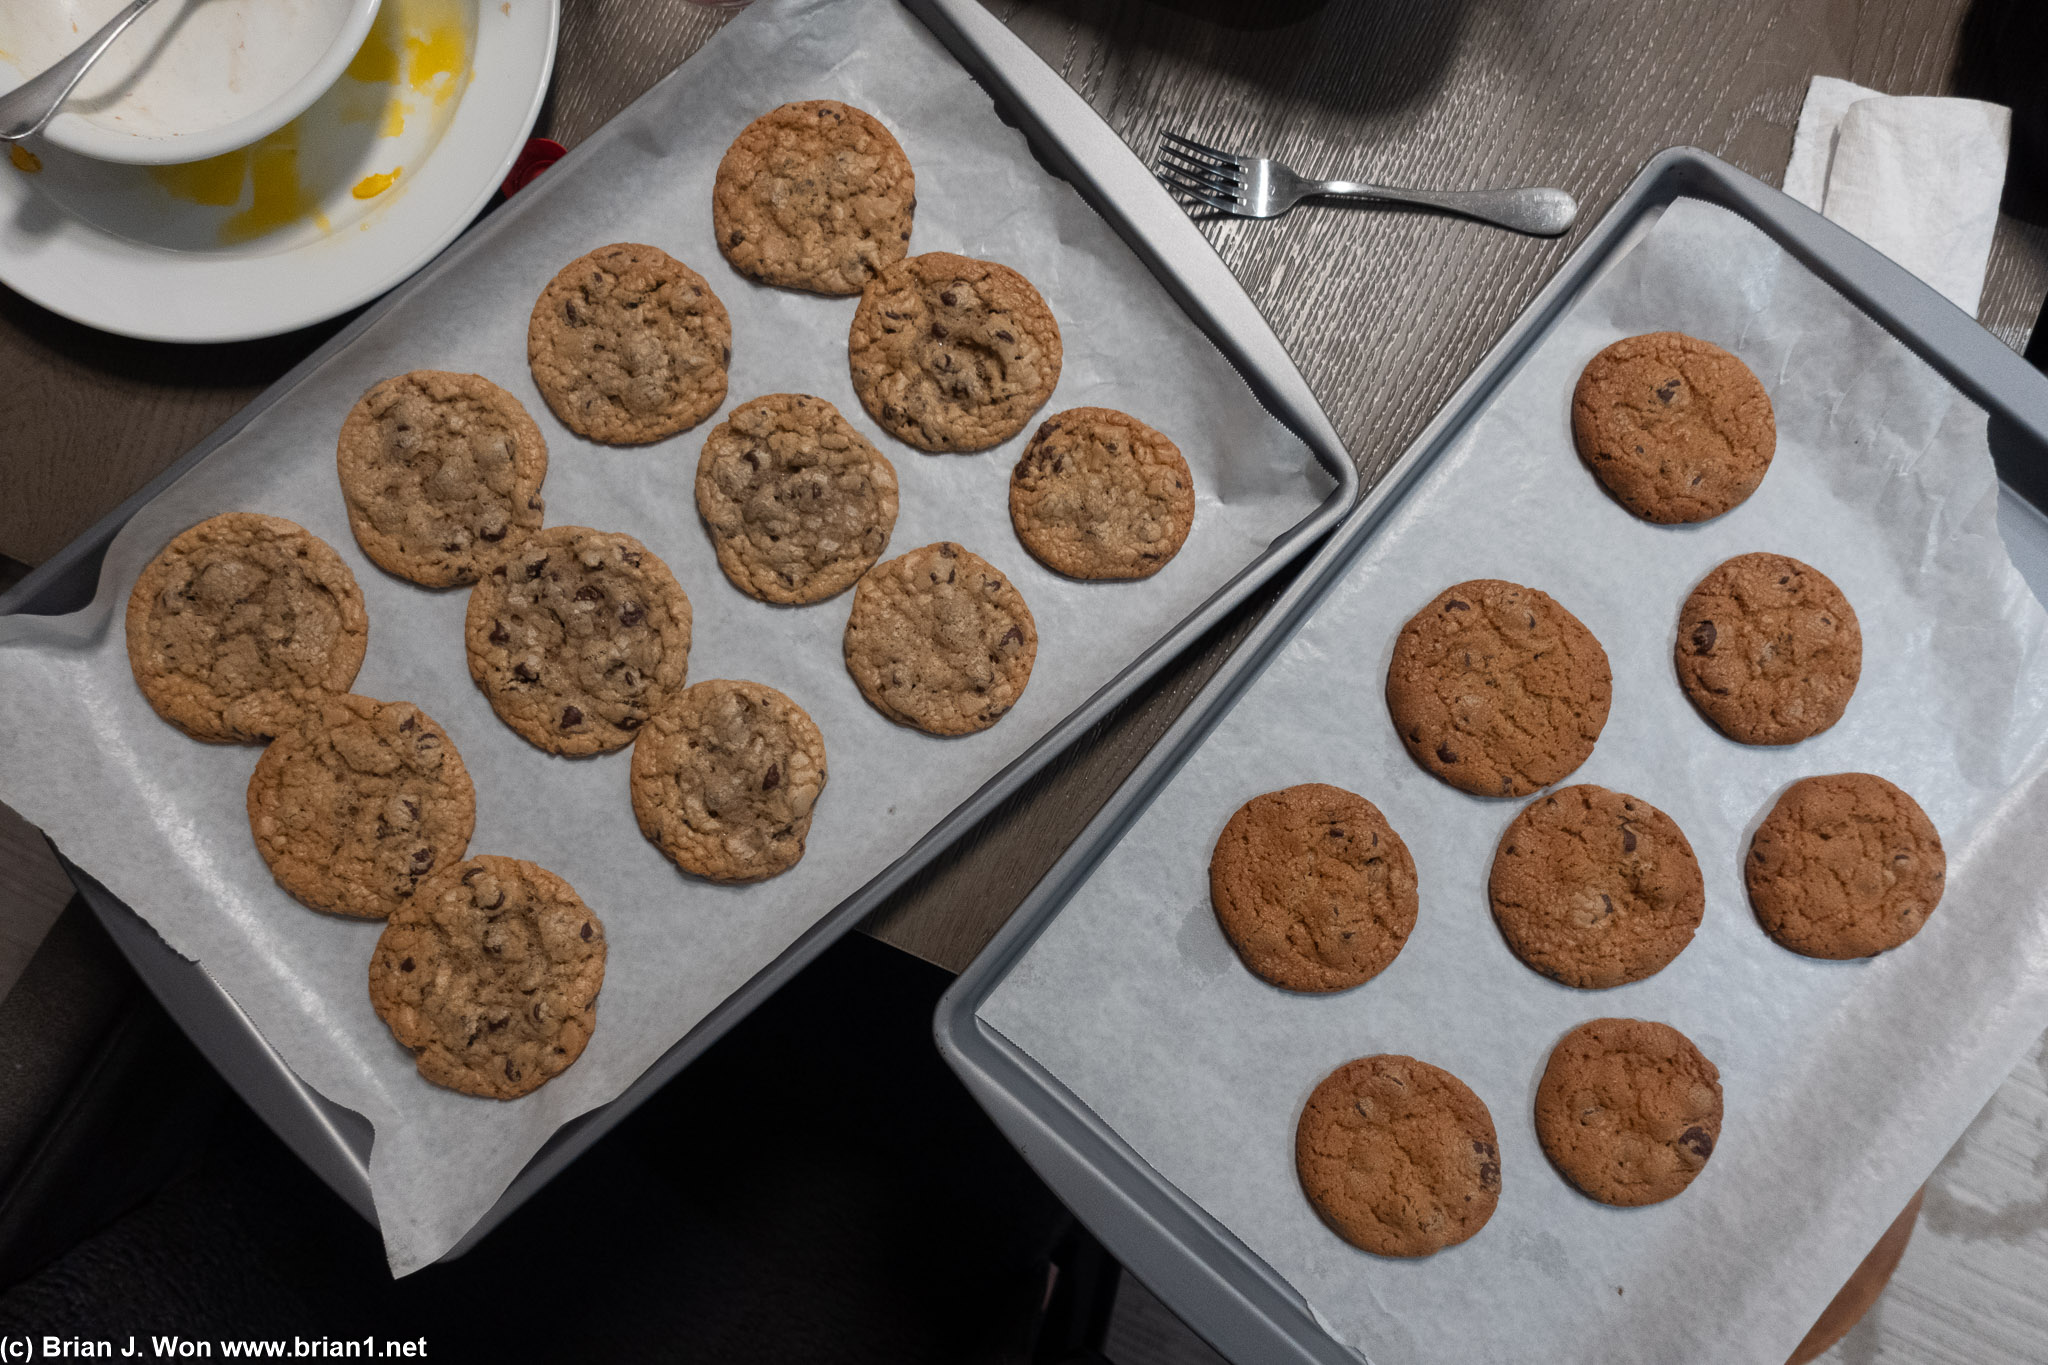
433,39
24,160
270,169
370,186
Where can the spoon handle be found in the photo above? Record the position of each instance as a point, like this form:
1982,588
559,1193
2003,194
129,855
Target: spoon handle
27,107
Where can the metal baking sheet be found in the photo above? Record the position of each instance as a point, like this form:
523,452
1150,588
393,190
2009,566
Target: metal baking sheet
1069,137
1226,1292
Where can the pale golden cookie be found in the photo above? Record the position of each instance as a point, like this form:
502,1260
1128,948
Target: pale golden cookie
1098,494
940,641
239,622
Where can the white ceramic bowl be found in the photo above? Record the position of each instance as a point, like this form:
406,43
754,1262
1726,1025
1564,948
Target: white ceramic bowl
189,79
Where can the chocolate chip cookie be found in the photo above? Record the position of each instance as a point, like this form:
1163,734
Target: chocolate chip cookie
1628,1110
798,503
940,641
1399,1157
724,779
1595,888
1098,494
241,620
440,472
489,975
1497,689
629,345
1676,428
1845,866
1768,649
359,801
815,195
578,638
951,353
1313,888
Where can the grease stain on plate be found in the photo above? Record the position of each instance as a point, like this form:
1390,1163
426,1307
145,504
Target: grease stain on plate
25,161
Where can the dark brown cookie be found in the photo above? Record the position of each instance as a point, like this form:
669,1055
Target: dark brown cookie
1628,1110
1768,649
1676,428
1313,888
1595,888
1845,866
629,345
951,353
1398,1156
441,473
489,975
578,638
358,802
1098,494
239,622
814,195
798,503
724,778
1497,689
940,641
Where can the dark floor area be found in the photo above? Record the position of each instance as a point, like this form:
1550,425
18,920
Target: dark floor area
816,1188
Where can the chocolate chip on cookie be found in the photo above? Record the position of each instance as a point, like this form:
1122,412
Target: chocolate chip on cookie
1313,888
724,779
489,975
1399,1157
1595,888
1497,689
951,353
578,638
629,345
1768,649
1628,1110
814,195
239,622
798,503
358,802
441,473
1845,866
1098,494
939,640
1676,428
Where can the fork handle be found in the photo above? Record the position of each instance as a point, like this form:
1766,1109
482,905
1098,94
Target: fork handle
1542,212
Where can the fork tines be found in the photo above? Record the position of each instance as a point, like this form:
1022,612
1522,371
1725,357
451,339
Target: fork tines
1200,172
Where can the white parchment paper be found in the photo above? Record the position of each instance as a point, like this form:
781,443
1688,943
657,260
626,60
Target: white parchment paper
159,818
1845,1081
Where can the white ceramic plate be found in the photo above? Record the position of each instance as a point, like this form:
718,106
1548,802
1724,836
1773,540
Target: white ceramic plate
330,211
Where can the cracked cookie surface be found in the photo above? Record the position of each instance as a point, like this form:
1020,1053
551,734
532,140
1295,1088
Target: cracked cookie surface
1497,689
724,780
441,473
814,195
1313,888
628,345
1768,649
358,802
1098,494
1595,888
939,640
951,353
1845,865
1675,428
799,504
241,620
489,975
578,638
1398,1156
1628,1110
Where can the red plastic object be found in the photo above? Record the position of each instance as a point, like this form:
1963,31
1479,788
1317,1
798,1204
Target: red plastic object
537,155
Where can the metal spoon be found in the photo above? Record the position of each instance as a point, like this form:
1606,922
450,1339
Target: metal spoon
26,108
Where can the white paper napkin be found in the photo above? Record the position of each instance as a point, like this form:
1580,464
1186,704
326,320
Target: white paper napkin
1917,177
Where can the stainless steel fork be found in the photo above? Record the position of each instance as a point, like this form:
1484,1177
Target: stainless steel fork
1260,187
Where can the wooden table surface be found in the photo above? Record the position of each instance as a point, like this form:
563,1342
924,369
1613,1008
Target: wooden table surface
1385,311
